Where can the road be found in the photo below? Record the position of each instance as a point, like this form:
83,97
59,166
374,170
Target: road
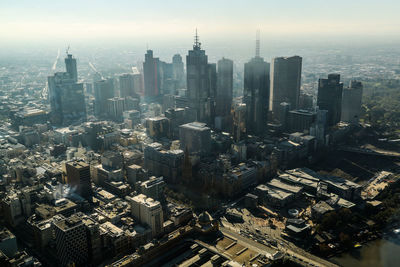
298,255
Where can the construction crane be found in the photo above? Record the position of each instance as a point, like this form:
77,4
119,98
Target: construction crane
95,70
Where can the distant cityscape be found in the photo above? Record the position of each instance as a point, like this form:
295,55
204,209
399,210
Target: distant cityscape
194,163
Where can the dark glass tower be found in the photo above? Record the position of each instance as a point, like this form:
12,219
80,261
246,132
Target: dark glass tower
199,81
330,97
285,82
256,93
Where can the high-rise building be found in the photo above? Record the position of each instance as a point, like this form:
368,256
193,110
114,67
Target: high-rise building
178,70
351,102
115,108
152,78
103,90
195,137
78,177
127,85
148,211
198,83
71,241
66,95
137,81
330,97
239,121
285,82
70,64
256,93
223,99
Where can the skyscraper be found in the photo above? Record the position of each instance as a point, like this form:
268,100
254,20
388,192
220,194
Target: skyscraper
330,97
351,102
178,70
126,85
103,90
70,64
78,173
198,83
223,99
66,95
256,93
151,72
285,82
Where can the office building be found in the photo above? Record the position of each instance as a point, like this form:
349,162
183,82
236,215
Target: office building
198,83
154,188
223,99
195,137
239,121
71,241
127,85
115,108
152,77
306,101
330,97
103,90
78,178
285,82
8,243
178,71
166,163
300,120
351,102
66,95
148,211
256,95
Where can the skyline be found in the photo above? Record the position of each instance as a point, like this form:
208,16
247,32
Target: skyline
129,21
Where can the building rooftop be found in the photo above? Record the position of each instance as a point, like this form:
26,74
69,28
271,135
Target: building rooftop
144,200
196,126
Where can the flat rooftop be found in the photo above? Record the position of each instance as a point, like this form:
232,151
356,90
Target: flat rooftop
196,126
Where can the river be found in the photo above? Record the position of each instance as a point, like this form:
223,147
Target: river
378,253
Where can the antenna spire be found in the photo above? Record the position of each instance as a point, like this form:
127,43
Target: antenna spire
258,43
197,44
67,50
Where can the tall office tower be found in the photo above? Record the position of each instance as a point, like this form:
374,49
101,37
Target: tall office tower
239,121
198,83
71,241
223,99
78,178
285,82
351,102
66,95
330,97
168,84
127,85
115,108
152,77
103,90
70,64
148,211
178,70
137,81
256,93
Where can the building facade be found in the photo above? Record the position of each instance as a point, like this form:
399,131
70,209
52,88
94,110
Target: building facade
285,82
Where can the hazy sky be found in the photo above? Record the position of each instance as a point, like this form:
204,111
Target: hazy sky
80,20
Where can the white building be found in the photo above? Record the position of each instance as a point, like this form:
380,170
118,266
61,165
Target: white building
148,211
